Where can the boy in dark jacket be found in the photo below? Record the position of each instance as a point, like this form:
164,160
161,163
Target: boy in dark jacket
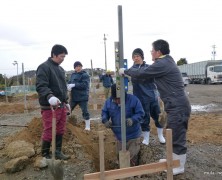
145,89
79,87
111,117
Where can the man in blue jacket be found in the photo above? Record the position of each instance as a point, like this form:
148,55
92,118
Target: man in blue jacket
107,83
111,117
79,87
146,90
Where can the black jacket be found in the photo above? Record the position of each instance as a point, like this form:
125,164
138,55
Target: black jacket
50,81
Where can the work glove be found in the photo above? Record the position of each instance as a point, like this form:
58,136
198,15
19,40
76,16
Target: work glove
54,101
108,124
68,108
70,86
121,71
129,122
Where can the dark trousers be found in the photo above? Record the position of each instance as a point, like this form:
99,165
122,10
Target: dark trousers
178,113
84,107
151,109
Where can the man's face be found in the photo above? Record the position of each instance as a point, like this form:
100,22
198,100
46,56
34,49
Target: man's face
137,59
155,54
78,68
59,59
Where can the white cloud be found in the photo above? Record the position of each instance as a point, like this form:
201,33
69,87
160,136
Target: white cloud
28,30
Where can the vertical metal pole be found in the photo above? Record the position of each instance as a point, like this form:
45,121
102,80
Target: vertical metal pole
6,94
105,51
122,87
23,78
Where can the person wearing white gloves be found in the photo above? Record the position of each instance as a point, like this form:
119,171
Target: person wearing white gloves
52,92
79,87
170,85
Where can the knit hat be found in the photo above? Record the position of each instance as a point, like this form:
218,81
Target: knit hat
139,52
77,63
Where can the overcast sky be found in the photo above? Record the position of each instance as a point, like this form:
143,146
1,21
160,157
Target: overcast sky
29,29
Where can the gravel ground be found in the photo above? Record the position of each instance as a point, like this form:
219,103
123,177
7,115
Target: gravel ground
204,160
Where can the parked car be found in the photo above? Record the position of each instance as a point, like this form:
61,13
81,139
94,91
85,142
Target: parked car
186,79
2,93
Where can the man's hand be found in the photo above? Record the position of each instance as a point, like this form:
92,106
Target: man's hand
108,124
121,71
68,108
54,101
129,122
70,86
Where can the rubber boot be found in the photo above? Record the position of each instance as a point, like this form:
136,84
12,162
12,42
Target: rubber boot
182,159
160,135
146,137
87,125
45,149
58,153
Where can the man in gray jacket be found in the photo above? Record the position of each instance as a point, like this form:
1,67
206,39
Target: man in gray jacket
171,88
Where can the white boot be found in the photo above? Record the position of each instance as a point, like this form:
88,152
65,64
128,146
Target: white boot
160,135
146,137
180,169
182,159
87,125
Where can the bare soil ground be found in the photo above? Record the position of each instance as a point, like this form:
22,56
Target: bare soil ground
204,160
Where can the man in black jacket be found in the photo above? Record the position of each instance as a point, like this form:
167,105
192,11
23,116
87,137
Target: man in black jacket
52,91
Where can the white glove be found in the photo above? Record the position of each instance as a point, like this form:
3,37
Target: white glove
121,71
54,101
68,108
70,86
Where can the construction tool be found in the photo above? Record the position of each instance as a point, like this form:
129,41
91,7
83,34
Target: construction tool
13,125
55,166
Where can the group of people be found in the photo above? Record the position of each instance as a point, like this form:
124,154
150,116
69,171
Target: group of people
162,80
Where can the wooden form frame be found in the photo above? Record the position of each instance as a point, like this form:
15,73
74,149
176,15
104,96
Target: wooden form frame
138,170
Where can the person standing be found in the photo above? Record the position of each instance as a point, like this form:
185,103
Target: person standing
79,87
111,118
171,88
145,89
52,91
107,83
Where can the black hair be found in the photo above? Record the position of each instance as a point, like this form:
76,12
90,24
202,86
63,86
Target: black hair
162,46
58,49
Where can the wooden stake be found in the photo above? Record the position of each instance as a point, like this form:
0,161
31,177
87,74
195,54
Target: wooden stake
169,150
101,155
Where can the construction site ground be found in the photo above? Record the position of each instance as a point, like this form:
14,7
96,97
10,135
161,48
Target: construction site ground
204,138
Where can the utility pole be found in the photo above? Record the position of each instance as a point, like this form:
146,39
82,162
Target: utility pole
105,51
214,52
16,63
